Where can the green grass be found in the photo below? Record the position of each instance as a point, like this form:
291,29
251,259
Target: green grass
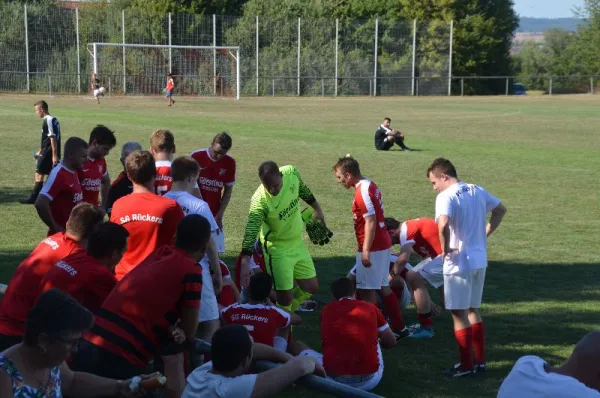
539,155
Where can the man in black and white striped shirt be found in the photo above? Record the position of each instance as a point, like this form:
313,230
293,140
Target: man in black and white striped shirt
385,137
49,154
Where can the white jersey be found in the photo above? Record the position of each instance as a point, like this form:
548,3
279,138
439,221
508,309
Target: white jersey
193,205
203,383
529,378
466,205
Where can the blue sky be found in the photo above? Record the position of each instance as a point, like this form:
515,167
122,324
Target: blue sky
546,8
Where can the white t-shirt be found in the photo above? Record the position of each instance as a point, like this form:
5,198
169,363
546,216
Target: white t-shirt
201,383
193,205
467,206
528,378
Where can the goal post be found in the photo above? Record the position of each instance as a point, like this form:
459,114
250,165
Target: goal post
142,68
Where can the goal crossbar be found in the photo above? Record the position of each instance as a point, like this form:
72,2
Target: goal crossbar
231,50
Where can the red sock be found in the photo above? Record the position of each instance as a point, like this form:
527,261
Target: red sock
398,291
479,342
464,339
392,310
425,320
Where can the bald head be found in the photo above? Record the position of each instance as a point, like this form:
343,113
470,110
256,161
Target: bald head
583,364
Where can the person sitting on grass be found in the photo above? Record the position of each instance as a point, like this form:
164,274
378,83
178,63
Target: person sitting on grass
385,137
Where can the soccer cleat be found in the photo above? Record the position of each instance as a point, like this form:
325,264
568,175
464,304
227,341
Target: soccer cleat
402,334
458,371
414,327
422,333
479,367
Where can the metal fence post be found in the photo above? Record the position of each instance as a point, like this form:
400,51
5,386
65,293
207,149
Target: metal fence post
238,78
50,85
414,57
322,87
95,61
507,86
450,59
591,85
298,66
550,88
78,55
257,43
27,48
109,87
214,41
337,34
462,87
273,89
375,57
170,43
124,61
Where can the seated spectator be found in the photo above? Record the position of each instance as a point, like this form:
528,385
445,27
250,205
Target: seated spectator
266,323
89,276
350,334
532,377
229,292
36,367
227,375
138,318
385,137
23,288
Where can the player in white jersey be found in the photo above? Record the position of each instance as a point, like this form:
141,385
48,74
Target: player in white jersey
461,213
184,171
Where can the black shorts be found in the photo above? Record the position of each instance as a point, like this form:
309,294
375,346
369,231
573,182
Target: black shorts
44,163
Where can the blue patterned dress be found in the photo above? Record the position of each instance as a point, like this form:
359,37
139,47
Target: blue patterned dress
21,390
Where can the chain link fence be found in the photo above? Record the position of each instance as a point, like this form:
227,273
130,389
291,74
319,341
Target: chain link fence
45,48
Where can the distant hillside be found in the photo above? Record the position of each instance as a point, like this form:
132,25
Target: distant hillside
545,24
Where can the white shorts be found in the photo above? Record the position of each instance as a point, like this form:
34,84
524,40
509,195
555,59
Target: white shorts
209,309
220,241
376,276
464,290
431,269
406,298
365,383
96,92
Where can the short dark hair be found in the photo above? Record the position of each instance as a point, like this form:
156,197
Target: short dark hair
347,164
56,314
162,141
183,167
442,165
103,136
84,218
342,287
391,223
193,233
170,74
260,286
140,167
107,238
268,169
42,104
231,346
387,119
75,144
223,139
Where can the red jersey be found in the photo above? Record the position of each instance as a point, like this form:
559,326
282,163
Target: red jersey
163,181
80,275
262,321
349,333
90,178
23,289
214,176
423,235
226,297
256,261
151,221
64,191
369,202
170,84
134,319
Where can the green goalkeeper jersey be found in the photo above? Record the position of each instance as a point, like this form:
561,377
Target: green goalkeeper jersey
277,218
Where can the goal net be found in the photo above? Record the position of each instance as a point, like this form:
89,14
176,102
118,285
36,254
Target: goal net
141,69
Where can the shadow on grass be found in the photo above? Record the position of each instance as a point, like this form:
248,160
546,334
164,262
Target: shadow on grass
9,261
11,194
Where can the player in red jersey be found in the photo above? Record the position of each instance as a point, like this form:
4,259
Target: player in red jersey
217,178
136,320
374,243
229,292
257,263
62,190
352,334
89,276
170,88
93,175
162,146
151,220
23,287
266,323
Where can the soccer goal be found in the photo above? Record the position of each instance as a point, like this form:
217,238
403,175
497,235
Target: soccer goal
141,69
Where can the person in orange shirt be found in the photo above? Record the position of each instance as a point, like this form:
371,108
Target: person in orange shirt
169,89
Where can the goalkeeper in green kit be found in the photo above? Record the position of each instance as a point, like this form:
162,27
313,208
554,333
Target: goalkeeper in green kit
275,217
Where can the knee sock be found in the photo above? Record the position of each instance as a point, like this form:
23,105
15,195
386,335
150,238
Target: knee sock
479,342
464,340
425,320
392,310
299,297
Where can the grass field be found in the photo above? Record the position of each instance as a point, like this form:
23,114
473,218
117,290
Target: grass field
539,155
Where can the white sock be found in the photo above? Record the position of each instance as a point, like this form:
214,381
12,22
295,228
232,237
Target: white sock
279,343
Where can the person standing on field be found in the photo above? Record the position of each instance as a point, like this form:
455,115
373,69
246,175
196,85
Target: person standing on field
169,89
461,214
48,155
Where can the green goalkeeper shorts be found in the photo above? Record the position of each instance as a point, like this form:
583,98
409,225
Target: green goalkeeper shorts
288,264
